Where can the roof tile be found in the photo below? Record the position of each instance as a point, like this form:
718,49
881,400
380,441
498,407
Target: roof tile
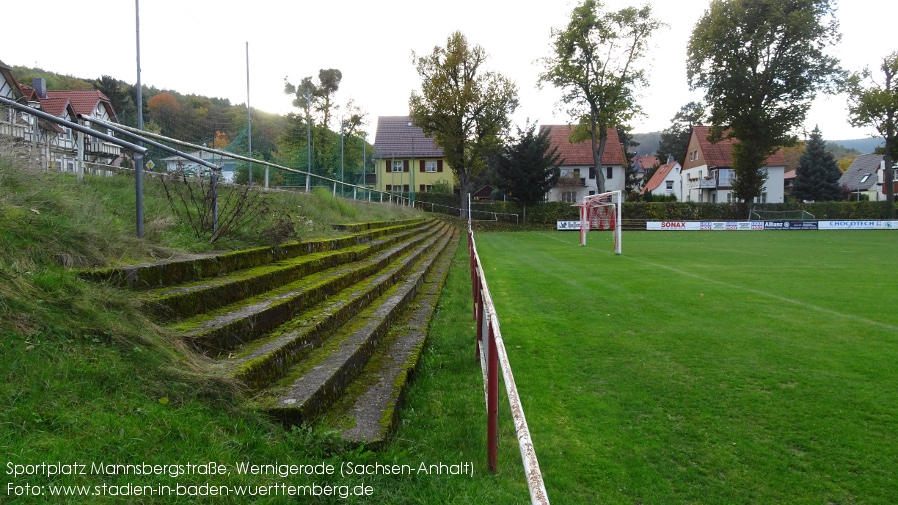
581,152
720,154
397,137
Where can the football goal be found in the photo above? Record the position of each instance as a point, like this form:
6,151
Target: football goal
780,215
601,212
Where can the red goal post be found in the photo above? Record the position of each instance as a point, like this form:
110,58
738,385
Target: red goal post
601,212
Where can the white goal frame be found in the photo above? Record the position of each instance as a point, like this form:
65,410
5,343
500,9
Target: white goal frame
601,212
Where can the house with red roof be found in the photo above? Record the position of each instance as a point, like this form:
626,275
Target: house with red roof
56,144
578,175
406,160
665,181
708,171
642,164
12,123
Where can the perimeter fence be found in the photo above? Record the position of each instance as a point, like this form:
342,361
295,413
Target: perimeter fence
490,350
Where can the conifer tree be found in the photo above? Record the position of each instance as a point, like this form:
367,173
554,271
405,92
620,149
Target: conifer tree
528,168
817,175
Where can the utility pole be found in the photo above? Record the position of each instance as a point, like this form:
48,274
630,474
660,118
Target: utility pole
138,158
249,126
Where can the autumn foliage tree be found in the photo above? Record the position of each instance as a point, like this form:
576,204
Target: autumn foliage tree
596,65
165,112
462,106
874,102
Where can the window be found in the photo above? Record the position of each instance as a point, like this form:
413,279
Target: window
864,179
430,167
670,185
405,188
389,187
608,172
569,196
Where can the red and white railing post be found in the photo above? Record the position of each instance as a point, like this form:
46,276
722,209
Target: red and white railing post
492,357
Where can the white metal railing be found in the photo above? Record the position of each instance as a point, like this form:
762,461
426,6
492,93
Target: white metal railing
490,349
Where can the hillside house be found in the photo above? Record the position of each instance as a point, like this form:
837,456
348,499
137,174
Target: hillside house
578,176
864,178
179,164
58,146
407,161
708,171
12,123
644,163
665,181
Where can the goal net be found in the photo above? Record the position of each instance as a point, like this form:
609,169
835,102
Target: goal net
780,215
601,212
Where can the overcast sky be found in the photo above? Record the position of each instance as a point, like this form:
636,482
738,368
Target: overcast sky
199,47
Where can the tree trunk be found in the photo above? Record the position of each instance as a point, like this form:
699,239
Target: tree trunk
597,152
889,174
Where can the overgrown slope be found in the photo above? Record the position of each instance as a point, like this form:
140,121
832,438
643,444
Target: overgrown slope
88,378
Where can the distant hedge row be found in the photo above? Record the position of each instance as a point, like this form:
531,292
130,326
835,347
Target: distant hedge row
550,212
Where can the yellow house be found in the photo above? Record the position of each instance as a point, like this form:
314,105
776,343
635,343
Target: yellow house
406,161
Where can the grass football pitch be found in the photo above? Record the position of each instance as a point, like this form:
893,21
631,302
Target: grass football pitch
705,367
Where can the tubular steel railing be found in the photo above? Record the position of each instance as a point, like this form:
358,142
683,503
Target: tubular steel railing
490,350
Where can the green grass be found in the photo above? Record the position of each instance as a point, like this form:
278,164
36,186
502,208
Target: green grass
697,368
704,367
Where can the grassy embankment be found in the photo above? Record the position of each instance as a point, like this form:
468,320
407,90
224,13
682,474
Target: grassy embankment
89,379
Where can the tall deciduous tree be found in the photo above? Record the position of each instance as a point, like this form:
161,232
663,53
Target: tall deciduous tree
875,104
527,168
462,106
675,138
316,99
817,175
761,62
595,65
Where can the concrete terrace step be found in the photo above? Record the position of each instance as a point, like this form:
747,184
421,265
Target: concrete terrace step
201,266
316,330
369,414
186,300
260,363
223,330
312,387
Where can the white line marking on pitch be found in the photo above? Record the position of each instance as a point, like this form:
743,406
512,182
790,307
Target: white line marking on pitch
771,295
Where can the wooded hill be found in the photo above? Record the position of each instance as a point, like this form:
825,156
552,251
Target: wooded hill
216,122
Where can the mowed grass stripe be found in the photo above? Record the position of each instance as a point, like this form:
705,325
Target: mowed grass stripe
703,367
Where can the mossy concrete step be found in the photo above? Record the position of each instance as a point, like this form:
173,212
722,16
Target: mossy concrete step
226,329
178,302
201,266
368,414
312,388
266,360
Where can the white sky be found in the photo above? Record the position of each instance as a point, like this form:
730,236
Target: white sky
199,47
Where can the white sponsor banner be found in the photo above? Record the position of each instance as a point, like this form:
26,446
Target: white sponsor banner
672,225
703,225
854,225
568,225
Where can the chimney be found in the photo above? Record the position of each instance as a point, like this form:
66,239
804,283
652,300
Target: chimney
40,86
670,159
